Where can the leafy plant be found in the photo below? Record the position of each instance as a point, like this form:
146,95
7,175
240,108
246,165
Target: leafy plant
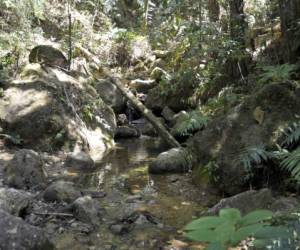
254,155
291,163
191,123
278,73
292,135
230,228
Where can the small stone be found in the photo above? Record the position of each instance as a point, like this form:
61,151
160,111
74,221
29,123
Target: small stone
86,210
61,191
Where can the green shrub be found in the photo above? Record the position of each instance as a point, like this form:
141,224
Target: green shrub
230,228
278,73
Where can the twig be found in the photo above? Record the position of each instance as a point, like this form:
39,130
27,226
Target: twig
54,214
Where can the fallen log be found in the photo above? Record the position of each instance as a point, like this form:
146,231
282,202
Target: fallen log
161,130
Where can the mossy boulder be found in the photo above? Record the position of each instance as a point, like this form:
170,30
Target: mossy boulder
53,111
48,55
257,121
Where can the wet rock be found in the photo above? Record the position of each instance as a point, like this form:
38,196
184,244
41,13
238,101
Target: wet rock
14,201
86,210
175,160
168,114
126,132
245,202
145,127
15,234
79,161
61,191
48,55
137,220
25,170
122,120
111,95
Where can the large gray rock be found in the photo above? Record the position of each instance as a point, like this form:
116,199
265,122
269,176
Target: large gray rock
48,55
51,110
111,95
62,191
175,160
79,161
25,170
245,202
86,210
14,201
168,114
15,234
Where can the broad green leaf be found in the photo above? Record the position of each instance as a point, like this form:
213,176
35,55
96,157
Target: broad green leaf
208,222
215,246
204,235
245,232
231,214
261,243
256,216
224,231
270,232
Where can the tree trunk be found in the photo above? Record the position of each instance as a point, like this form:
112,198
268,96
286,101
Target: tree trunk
289,17
238,24
161,130
213,10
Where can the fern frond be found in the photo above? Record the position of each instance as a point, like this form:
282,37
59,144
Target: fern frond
292,135
194,121
254,155
291,163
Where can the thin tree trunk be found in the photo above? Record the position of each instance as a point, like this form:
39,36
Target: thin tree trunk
70,35
161,130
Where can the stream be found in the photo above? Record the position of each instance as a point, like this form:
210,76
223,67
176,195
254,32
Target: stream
140,211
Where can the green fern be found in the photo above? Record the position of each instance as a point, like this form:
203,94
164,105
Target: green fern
194,121
291,163
292,135
278,73
254,155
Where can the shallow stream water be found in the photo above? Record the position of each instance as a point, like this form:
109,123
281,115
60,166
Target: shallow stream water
168,201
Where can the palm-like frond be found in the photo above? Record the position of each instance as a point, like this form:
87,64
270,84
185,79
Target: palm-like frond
193,122
291,163
254,155
292,135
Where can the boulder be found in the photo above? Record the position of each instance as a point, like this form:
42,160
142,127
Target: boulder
79,161
15,234
257,121
25,170
245,202
168,114
175,160
61,191
111,95
48,55
14,201
127,132
54,111
86,209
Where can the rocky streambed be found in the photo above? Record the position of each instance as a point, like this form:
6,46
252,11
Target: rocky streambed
114,204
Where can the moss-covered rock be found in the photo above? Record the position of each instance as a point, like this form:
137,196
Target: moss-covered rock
225,137
53,111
